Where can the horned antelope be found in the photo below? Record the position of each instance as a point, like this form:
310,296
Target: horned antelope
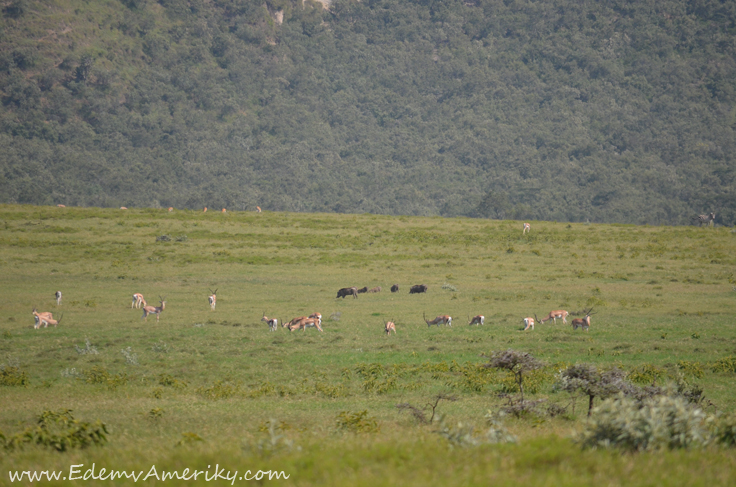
444,319
555,315
477,320
527,227
147,310
294,323
51,321
583,323
57,295
316,315
389,327
273,323
41,318
529,322
311,322
213,299
138,301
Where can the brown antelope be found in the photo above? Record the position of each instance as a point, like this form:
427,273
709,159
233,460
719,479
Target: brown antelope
61,206
273,323
555,315
311,322
205,210
224,210
389,327
316,315
213,299
527,227
294,323
444,319
529,322
171,208
138,301
123,208
57,295
50,321
258,209
477,320
583,323
41,318
147,310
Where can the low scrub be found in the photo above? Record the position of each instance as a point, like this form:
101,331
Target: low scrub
13,376
59,431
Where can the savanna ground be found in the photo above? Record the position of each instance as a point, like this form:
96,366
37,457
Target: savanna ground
202,387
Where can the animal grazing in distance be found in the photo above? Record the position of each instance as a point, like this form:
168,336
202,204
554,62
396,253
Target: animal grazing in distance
316,315
40,318
213,299
389,327
707,219
138,301
348,291
529,322
273,323
583,323
395,288
419,288
477,320
376,289
224,210
258,209
147,310
311,322
61,206
294,323
123,208
527,227
555,315
444,319
57,295
205,210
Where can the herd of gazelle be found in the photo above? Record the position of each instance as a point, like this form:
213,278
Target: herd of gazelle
315,319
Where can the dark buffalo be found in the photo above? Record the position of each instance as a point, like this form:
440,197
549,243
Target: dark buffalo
363,290
395,288
347,291
419,288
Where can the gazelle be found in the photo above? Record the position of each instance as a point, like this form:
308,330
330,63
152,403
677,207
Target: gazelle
224,210
389,327
478,320
273,323
529,322
57,295
555,315
294,323
61,206
50,321
583,323
258,209
213,299
316,315
147,310
527,228
123,208
171,208
138,301
41,318
311,322
444,319
205,210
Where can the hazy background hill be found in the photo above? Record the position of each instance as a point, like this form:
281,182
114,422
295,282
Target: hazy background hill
616,111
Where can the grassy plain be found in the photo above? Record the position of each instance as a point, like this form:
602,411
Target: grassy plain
664,298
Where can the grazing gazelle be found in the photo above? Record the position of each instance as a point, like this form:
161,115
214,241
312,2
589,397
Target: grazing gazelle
527,228
294,323
389,327
583,323
51,321
529,322
478,320
555,315
41,318
316,315
138,301
213,299
147,310
272,322
444,319
311,322
57,295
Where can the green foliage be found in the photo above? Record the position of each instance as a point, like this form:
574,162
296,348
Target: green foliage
59,431
726,364
13,376
358,422
221,389
645,374
100,375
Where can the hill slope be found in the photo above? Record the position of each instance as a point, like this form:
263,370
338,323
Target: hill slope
610,111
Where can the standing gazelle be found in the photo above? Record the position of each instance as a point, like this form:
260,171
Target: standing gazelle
138,301
57,295
389,327
273,323
147,310
555,315
477,320
526,229
529,322
213,299
444,319
583,323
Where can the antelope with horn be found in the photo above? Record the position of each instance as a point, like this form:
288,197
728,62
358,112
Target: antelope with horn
57,295
294,323
583,323
50,321
389,327
444,319
213,299
477,320
147,310
529,322
555,315
138,301
41,318
311,322
273,323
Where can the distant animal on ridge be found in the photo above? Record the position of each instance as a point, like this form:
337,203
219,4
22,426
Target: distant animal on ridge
704,219
527,227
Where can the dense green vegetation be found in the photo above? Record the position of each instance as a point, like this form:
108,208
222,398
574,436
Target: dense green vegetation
203,387
615,111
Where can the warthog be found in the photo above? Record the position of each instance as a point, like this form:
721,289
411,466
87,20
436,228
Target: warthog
363,290
419,288
348,291
395,288
376,289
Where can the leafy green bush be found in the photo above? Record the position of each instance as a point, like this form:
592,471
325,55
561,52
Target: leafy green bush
727,364
13,376
356,422
221,389
656,423
99,375
60,431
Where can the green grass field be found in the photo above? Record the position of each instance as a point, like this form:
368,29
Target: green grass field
201,387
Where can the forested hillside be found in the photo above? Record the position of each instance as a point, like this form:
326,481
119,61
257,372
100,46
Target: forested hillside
614,111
